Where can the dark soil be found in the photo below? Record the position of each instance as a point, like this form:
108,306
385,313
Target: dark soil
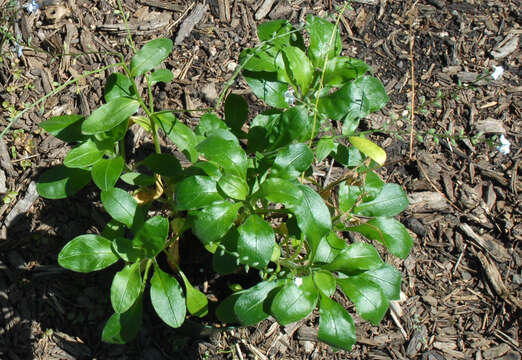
462,282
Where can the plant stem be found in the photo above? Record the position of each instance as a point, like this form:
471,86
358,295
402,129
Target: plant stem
146,275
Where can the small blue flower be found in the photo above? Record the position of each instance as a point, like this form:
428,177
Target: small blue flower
31,7
19,50
497,73
504,145
289,97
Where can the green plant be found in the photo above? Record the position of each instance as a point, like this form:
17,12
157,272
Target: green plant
249,195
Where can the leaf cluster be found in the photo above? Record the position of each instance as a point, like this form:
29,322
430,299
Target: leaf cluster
249,194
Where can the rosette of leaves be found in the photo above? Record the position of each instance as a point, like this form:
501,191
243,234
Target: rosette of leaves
247,193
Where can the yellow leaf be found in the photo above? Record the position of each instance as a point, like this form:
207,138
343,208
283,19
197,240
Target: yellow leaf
370,149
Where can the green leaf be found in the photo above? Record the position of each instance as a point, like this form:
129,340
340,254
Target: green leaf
325,42
118,85
164,165
197,302
126,288
250,306
355,258
223,261
325,282
256,242
258,60
127,250
83,156
280,33
349,195
137,179
86,253
387,277
60,182
120,205
223,149
267,87
294,302
152,235
106,172
348,156
324,147
210,122
110,115
233,186
369,148
342,69
124,327
294,124
161,75
336,326
292,160
313,217
390,201
389,232
355,100
281,191
180,134
368,298
225,310
236,112
301,69
196,192
65,127
150,56
213,221
167,298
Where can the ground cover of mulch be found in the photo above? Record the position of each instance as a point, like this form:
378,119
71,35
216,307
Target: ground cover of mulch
462,282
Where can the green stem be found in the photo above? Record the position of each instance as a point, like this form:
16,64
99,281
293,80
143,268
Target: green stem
146,276
54,92
129,36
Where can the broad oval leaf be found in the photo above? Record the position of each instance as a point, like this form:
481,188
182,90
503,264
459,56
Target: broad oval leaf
137,179
196,192
222,148
369,148
390,201
60,182
208,123
281,191
150,56
256,242
120,205
325,42
127,250
301,69
167,298
106,172
126,287
387,277
293,124
368,298
118,85
110,115
325,282
294,302
233,186
354,100
161,75
86,253
336,326
83,156
324,147
180,134
152,235
249,306
349,195
389,232
214,221
122,328
292,160
355,258
342,69
280,33
65,127
267,87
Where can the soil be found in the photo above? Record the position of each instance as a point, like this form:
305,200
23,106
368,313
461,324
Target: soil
462,282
